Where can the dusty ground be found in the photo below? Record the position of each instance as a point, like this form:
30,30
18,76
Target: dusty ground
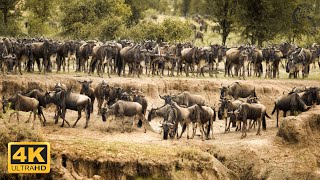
137,154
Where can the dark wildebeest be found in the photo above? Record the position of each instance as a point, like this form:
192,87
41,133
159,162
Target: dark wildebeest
131,55
24,56
299,60
162,111
206,116
39,95
141,99
237,57
41,50
226,109
100,92
237,90
88,91
22,103
291,102
99,55
125,109
256,112
184,116
187,99
188,57
68,100
7,62
84,52
310,96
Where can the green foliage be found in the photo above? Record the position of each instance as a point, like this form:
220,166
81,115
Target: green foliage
262,20
9,12
223,13
168,30
176,30
137,8
82,19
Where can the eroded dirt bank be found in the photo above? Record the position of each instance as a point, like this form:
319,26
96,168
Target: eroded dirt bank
102,151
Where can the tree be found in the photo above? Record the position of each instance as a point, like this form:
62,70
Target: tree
137,7
221,12
185,7
84,18
5,7
262,20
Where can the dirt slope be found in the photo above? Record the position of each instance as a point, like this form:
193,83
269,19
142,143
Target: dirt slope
137,154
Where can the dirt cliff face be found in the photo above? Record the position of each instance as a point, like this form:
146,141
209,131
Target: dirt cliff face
102,151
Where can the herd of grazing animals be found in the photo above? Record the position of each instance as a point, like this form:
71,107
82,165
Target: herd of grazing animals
126,57
184,108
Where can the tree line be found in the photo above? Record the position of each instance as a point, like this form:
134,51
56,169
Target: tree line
256,21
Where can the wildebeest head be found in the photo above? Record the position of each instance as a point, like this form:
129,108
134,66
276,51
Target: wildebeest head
179,99
152,114
104,114
85,86
168,129
224,91
167,99
251,100
223,106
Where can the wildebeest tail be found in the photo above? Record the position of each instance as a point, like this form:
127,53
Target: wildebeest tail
274,109
254,92
264,124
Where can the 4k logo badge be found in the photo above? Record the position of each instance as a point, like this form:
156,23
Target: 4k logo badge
28,157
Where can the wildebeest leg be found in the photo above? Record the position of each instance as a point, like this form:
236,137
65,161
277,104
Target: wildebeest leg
244,128
202,131
144,122
187,130
100,101
63,115
277,116
133,123
259,124
79,117
29,117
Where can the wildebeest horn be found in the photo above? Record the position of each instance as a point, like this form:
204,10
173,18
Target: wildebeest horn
161,96
2,55
14,56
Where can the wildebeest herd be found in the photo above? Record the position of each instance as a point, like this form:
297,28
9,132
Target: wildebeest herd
153,58
238,105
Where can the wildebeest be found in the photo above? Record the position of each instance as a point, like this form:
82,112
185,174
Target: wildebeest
69,100
88,91
206,116
310,96
237,90
256,112
185,116
187,99
299,60
7,62
100,92
162,111
236,57
39,95
42,50
226,109
141,99
188,57
291,102
22,103
125,109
